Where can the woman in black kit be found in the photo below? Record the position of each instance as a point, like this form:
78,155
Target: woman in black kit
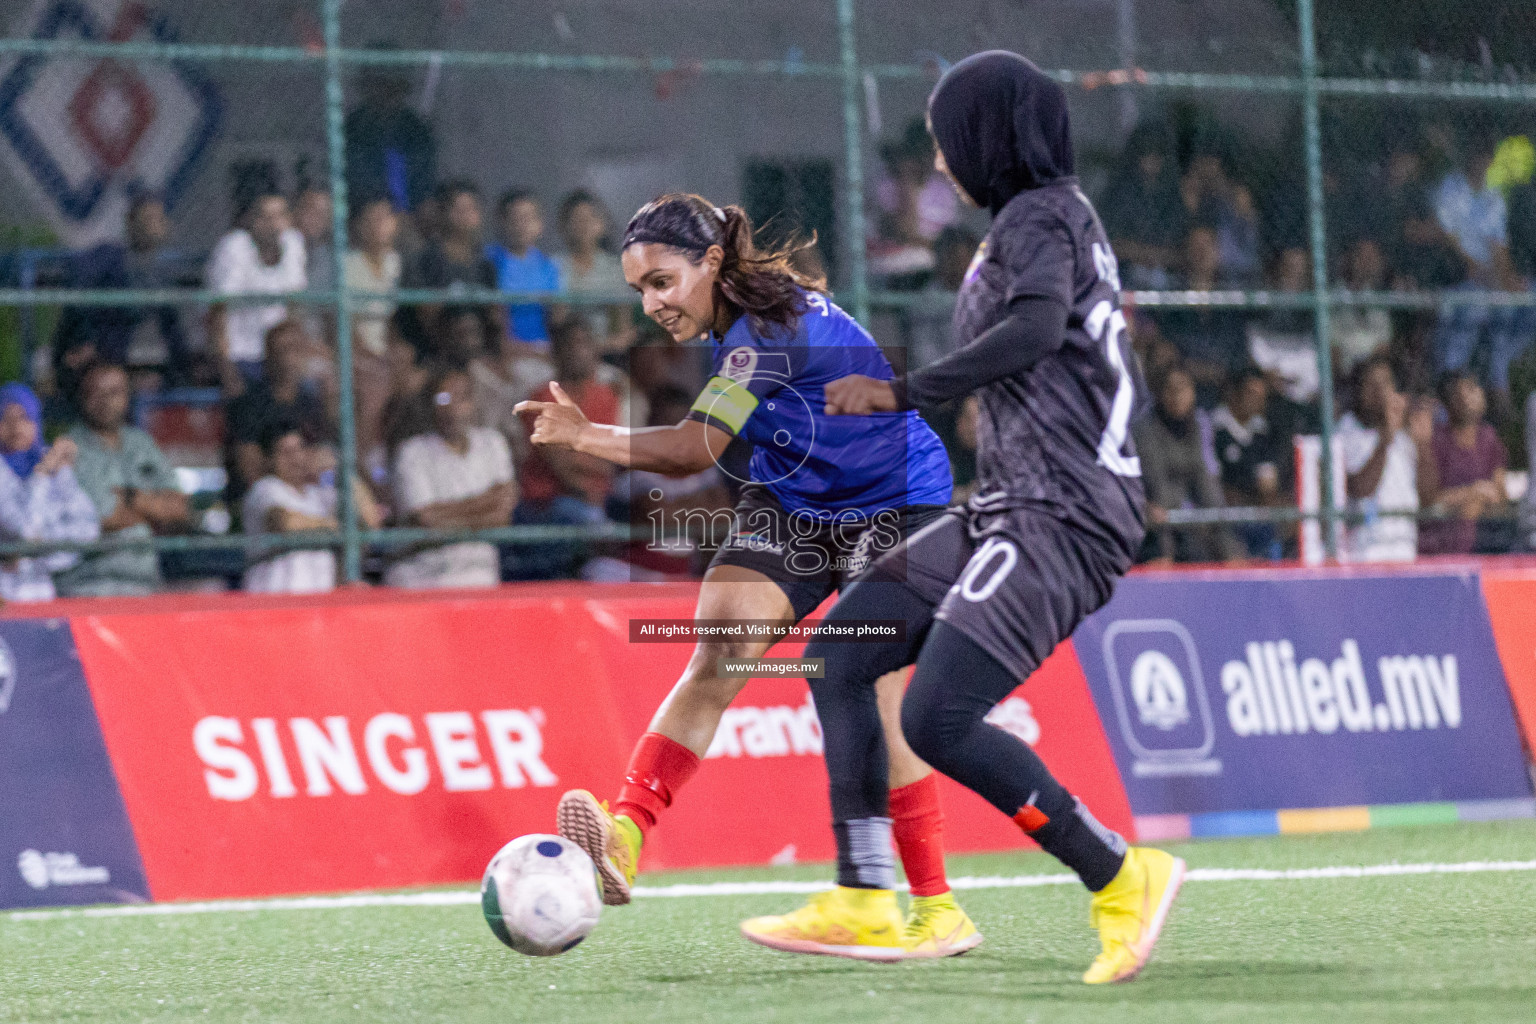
989,590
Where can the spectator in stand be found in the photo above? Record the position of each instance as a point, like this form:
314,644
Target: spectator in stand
465,339
1283,342
1475,216
407,414
279,395
1210,340
913,203
40,499
1144,211
1237,238
263,255
291,498
1177,473
1389,465
1360,332
521,266
131,335
70,361
131,485
373,267
312,218
1419,252
566,488
390,148
458,477
455,260
1213,200
1245,451
588,268
1469,465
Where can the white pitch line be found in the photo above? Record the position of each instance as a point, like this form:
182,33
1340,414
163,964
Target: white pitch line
455,898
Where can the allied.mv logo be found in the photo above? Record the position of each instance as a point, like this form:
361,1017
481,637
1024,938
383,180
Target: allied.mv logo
1160,701
1161,698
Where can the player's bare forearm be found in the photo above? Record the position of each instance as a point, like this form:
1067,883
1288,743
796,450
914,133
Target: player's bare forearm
680,450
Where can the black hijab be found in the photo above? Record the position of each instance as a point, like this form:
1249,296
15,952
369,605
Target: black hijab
1001,124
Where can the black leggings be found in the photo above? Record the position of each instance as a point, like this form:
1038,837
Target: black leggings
858,764
954,687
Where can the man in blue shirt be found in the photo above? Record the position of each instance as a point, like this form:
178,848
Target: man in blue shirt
521,266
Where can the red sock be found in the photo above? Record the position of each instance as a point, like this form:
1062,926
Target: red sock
658,768
917,824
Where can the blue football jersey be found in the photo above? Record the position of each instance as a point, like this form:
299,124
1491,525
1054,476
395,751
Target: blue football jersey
771,392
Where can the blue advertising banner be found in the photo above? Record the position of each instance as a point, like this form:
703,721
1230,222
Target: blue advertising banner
1296,692
64,832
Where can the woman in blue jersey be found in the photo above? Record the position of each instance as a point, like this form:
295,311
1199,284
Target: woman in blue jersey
826,496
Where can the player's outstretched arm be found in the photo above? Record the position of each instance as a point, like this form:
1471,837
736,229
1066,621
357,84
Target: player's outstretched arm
681,450
1034,328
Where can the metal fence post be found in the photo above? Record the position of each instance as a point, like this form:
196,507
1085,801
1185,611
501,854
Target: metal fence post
1316,216
853,161
352,560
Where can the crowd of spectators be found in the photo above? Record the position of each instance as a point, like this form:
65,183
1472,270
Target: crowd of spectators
434,389
1427,404
1430,402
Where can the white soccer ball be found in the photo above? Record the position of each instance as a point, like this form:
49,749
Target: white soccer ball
540,895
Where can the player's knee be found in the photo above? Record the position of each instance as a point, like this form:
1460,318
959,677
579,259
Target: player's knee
920,724
936,719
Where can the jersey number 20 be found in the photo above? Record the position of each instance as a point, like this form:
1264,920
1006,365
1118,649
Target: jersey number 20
1111,455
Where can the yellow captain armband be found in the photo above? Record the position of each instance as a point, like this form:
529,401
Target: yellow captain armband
727,401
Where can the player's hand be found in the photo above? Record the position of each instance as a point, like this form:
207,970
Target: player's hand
560,422
857,395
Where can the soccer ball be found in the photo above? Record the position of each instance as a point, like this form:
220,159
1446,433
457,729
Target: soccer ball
540,895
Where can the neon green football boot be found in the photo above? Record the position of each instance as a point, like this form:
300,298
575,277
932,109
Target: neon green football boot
611,840
937,927
1130,912
863,924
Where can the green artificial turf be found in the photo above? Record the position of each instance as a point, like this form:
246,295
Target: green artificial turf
1442,948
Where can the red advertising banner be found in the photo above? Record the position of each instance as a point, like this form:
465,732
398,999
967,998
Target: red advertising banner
360,746
353,743
1511,597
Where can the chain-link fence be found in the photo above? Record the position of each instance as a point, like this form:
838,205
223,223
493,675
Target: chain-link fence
1320,215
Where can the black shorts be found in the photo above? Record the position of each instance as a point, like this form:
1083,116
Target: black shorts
811,558
1017,581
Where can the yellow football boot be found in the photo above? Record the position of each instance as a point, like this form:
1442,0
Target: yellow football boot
1130,912
612,841
864,924
937,927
